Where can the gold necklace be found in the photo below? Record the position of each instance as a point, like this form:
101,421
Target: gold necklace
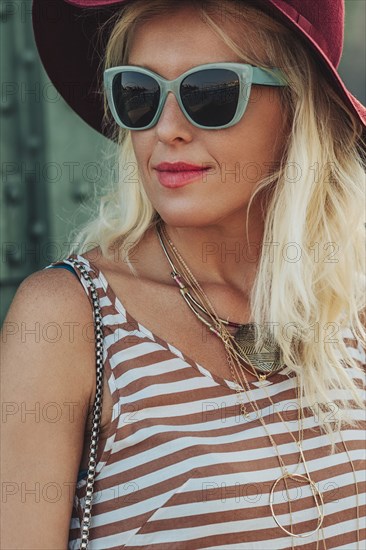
226,337
285,472
227,342
268,360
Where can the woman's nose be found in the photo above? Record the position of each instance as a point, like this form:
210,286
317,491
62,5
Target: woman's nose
172,120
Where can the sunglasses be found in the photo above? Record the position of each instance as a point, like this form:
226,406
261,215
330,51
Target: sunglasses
211,96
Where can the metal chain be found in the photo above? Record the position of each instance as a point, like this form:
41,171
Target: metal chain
97,408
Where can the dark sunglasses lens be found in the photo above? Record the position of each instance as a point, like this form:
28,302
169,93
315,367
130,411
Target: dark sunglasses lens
136,98
211,96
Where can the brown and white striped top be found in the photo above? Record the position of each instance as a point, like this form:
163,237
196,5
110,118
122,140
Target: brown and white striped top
182,469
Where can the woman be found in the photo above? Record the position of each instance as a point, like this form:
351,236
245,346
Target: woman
213,435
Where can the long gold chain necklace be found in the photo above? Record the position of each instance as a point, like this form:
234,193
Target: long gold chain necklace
285,472
233,356
299,476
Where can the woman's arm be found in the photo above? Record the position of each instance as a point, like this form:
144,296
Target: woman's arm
47,386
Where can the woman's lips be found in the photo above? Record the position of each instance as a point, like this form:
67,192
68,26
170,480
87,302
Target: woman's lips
173,179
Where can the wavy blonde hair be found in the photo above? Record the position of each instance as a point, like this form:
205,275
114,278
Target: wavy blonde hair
326,288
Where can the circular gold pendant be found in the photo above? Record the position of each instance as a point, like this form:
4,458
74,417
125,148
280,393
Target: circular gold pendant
316,494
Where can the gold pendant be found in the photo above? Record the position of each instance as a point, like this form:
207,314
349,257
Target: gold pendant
317,495
268,359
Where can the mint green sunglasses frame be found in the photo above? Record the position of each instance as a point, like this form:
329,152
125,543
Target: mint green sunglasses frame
247,75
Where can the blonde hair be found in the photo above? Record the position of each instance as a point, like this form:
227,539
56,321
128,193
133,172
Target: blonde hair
316,204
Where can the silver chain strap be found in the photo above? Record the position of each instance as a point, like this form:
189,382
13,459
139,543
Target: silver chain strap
97,409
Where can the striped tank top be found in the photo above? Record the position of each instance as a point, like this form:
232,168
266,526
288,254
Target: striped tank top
182,469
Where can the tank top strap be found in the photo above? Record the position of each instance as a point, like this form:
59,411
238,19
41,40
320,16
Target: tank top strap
91,270
113,311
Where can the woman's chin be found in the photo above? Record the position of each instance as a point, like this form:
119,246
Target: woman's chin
185,217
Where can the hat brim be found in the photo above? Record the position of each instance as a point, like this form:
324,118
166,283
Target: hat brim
65,35
308,35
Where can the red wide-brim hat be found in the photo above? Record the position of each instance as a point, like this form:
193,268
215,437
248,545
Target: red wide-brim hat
66,38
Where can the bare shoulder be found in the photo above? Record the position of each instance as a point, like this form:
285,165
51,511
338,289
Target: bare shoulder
61,283
51,315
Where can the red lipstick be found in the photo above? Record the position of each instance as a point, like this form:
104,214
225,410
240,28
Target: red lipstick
177,174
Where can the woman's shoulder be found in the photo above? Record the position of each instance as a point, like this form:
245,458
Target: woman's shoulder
46,328
55,288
